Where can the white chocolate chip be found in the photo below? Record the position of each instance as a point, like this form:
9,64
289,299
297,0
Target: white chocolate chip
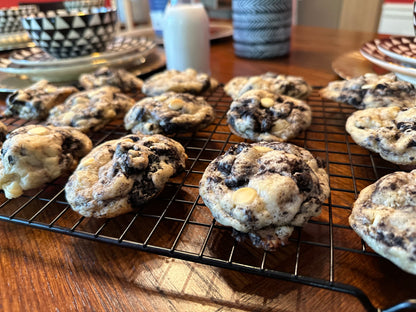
176,104
262,149
88,161
244,196
38,131
267,102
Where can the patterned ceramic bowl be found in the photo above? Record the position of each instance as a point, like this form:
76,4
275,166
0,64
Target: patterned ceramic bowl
10,18
82,4
66,34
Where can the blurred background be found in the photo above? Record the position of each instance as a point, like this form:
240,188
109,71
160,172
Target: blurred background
389,16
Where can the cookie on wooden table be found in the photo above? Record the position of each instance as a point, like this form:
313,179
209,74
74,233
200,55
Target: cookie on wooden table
388,131
35,101
263,190
119,175
187,81
91,110
260,115
384,216
288,85
169,113
34,155
116,77
371,90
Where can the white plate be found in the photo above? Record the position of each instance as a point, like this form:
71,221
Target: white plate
370,51
154,61
402,49
120,46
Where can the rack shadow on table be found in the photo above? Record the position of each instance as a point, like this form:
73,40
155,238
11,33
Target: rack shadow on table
325,253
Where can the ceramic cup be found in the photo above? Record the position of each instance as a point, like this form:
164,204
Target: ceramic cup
262,28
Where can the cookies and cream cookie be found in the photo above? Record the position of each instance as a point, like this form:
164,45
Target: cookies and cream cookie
384,216
34,155
371,90
119,175
288,85
35,101
388,131
91,110
264,190
260,115
116,77
169,113
187,81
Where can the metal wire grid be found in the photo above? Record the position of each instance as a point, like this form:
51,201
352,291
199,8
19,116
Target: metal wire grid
177,224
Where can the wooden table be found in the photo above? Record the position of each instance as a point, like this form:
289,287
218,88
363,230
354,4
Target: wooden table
46,271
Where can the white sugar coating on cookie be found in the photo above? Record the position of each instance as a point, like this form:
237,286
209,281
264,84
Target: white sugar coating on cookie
35,101
187,81
169,113
264,190
371,90
34,155
116,77
259,115
388,131
384,216
91,110
293,86
118,176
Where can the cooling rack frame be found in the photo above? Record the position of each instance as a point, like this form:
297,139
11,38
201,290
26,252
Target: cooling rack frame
326,139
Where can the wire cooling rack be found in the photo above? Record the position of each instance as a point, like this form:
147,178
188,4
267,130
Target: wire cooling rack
177,224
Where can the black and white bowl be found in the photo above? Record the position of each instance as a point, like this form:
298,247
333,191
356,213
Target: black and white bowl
10,18
66,34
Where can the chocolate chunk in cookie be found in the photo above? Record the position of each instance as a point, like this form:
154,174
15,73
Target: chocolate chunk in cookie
384,216
388,131
119,175
187,81
116,77
37,100
372,90
91,110
169,113
260,115
34,155
292,86
263,190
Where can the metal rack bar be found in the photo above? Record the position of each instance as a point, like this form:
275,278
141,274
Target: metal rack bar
203,147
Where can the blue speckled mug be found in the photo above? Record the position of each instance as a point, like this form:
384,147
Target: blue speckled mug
262,28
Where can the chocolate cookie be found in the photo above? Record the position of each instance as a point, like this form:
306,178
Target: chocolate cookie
371,90
188,81
91,110
263,190
384,216
292,86
260,115
116,77
34,155
119,175
389,131
169,113
35,101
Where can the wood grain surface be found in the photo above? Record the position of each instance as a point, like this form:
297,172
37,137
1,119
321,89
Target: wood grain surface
42,270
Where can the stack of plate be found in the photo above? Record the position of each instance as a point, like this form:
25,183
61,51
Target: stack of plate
396,54
138,54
